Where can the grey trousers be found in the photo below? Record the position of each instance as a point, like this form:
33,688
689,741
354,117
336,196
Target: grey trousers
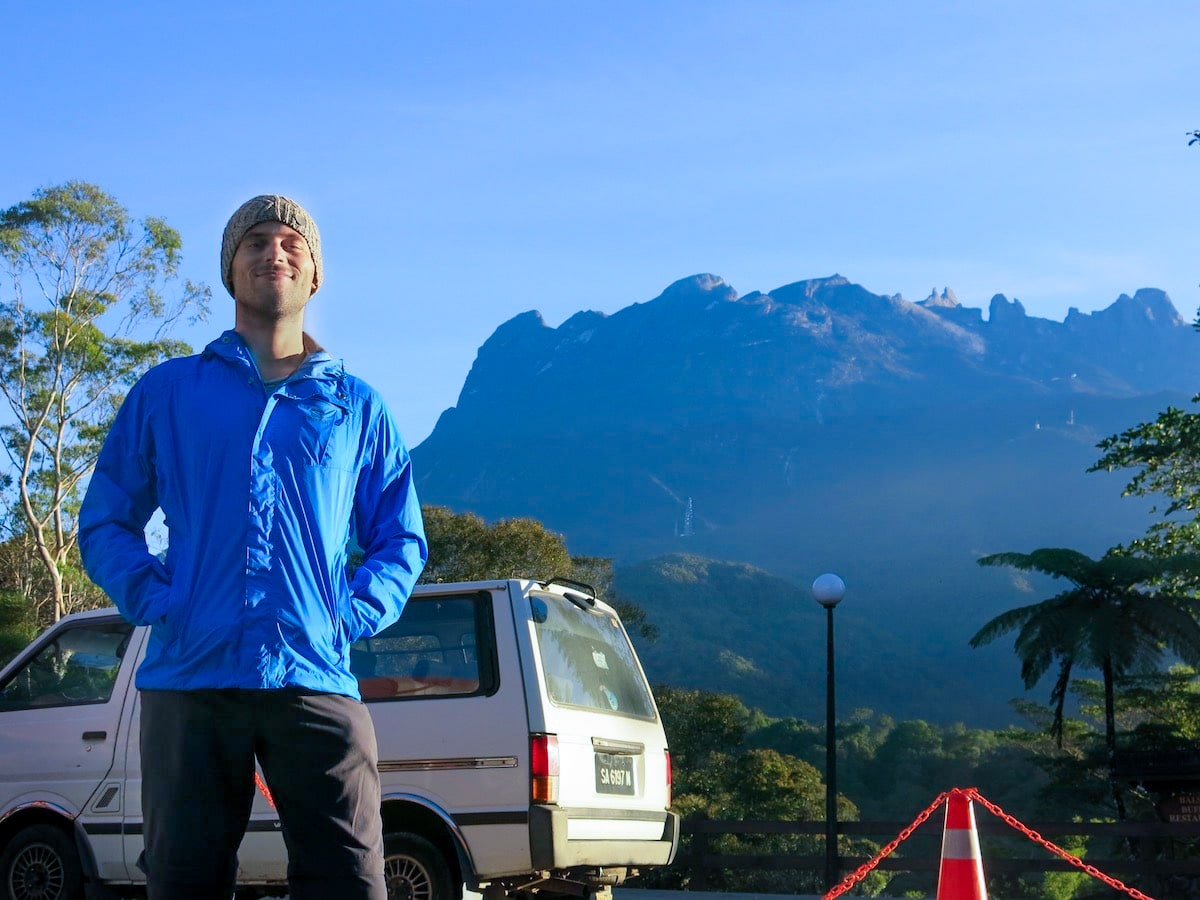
318,757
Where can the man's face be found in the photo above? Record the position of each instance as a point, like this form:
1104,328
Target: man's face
273,271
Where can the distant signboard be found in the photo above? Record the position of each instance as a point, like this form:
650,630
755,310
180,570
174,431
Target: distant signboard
1182,808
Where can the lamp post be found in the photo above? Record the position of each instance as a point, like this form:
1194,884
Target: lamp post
828,590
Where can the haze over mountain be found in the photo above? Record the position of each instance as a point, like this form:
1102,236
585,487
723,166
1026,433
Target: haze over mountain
819,427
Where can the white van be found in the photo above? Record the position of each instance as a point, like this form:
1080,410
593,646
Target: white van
520,751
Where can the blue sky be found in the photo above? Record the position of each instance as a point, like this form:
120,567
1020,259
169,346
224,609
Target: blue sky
468,161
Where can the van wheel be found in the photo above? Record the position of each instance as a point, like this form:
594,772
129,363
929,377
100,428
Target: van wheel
414,869
40,863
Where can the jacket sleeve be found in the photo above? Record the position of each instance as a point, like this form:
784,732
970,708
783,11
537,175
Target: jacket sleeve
120,499
388,526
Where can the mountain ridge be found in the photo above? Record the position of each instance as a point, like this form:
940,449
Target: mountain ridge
821,427
838,321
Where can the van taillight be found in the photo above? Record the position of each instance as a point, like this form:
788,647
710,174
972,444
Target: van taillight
543,768
668,779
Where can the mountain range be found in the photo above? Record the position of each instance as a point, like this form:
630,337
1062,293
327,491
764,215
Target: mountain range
817,427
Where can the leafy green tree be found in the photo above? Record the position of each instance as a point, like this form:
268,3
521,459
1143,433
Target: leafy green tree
22,575
719,775
463,547
1147,715
772,785
1108,619
83,317
1166,456
1161,710
17,624
599,573
700,725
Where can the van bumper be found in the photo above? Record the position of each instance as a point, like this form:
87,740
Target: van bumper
551,847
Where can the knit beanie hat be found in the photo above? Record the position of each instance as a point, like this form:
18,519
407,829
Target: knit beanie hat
268,208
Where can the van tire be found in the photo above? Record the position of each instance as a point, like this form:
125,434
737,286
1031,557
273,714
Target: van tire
414,869
41,863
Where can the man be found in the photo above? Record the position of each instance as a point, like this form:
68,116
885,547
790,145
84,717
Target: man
265,457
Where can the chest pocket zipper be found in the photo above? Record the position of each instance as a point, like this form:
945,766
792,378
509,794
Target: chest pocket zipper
317,421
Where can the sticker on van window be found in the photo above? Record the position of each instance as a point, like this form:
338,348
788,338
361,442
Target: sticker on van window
599,660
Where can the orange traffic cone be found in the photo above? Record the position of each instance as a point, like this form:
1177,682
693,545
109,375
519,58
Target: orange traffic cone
961,876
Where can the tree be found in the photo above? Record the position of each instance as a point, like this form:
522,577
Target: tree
85,317
17,627
598,572
1162,709
1166,455
24,576
700,725
463,547
718,775
1108,620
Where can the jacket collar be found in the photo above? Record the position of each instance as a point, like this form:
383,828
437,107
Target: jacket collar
230,346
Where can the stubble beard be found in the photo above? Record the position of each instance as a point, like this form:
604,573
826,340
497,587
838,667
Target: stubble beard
268,304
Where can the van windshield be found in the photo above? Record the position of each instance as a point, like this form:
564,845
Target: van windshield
587,659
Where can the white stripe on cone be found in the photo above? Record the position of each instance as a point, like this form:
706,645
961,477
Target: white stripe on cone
958,843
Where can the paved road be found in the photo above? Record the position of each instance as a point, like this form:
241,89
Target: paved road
636,894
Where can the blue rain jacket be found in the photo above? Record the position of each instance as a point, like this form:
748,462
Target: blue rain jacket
261,491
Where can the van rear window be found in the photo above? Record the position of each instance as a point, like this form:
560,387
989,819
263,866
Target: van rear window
587,659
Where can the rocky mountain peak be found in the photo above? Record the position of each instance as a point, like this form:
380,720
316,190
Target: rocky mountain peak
1157,306
703,283
1147,308
1001,311
798,292
520,329
946,300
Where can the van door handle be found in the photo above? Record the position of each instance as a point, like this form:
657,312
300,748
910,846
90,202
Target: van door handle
95,735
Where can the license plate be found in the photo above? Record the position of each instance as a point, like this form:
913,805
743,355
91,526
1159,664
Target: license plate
614,774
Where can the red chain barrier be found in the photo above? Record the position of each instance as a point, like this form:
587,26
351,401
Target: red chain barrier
1054,848
862,871
263,789
865,869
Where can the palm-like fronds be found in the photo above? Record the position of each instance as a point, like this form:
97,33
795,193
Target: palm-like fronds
1111,619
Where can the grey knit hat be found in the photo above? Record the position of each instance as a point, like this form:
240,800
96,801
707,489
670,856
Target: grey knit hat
268,208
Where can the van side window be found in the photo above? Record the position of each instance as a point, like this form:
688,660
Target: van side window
79,666
440,647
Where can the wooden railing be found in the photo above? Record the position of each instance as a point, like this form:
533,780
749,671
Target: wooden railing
1159,849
